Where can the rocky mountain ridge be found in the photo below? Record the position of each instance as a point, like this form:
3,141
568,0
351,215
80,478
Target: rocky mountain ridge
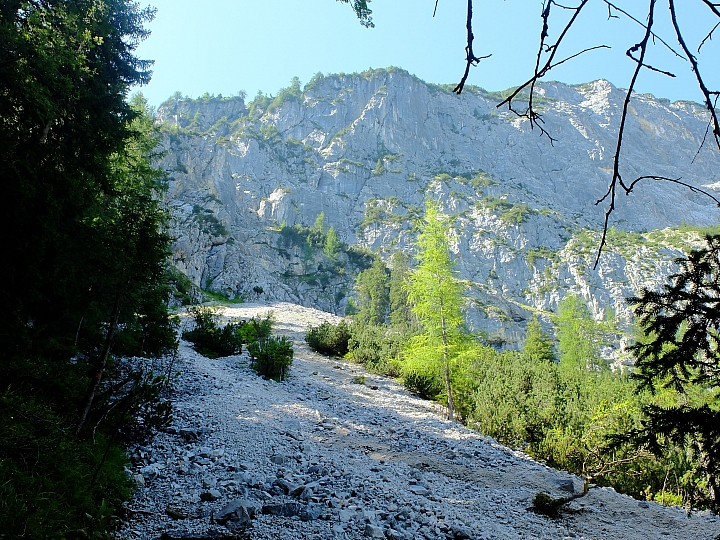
366,150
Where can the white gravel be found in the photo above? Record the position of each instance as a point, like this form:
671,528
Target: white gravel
375,462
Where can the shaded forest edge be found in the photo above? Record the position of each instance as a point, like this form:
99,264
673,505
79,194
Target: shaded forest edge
87,340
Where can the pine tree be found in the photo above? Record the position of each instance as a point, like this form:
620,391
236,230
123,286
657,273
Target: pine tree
537,345
680,353
374,294
435,297
332,243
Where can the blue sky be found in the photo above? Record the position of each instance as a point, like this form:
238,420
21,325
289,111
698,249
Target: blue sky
225,46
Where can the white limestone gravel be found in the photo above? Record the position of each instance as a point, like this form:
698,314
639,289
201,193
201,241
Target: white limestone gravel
365,460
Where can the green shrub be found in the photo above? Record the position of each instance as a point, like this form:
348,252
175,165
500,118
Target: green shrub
212,341
272,356
425,386
376,347
181,286
329,339
52,481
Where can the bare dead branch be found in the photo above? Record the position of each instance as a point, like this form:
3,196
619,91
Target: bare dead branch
696,69
648,66
435,10
713,7
678,181
471,59
702,143
617,177
546,61
708,37
535,118
654,35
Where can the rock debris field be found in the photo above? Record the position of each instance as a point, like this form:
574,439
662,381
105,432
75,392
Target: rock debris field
336,453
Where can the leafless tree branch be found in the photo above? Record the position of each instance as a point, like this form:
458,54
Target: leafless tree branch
696,69
617,177
471,59
610,6
707,37
530,113
637,53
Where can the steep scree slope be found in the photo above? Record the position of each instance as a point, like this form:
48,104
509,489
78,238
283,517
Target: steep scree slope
329,455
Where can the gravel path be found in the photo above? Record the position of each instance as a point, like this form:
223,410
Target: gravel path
337,453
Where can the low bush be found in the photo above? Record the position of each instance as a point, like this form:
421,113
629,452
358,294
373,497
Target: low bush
272,356
376,347
329,339
424,385
212,341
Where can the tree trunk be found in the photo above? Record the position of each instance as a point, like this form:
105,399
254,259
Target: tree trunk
446,366
102,362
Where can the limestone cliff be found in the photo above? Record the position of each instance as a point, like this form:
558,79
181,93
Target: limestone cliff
368,149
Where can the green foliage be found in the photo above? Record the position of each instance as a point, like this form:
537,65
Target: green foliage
561,417
379,168
373,294
258,106
329,339
360,257
319,237
212,341
537,346
378,347
292,93
332,244
209,224
432,289
48,486
579,336
679,353
319,225
508,212
435,298
532,254
400,312
362,11
482,180
181,286
77,160
374,214
425,384
563,413
272,356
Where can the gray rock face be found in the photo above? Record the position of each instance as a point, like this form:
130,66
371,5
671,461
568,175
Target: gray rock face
366,150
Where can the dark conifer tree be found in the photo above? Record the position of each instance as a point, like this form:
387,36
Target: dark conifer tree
681,353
